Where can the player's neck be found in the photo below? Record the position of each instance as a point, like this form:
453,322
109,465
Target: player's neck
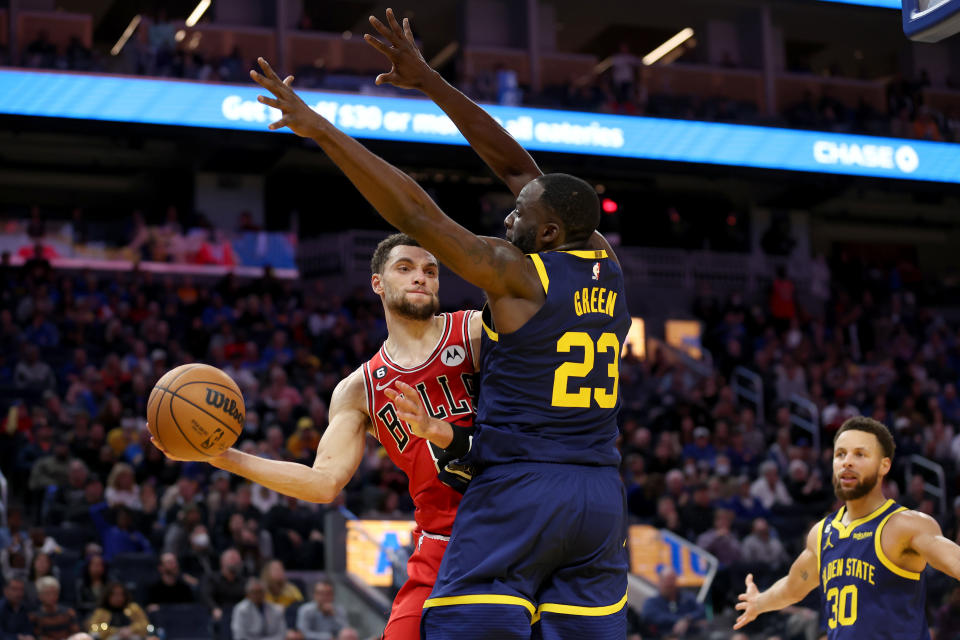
409,342
862,507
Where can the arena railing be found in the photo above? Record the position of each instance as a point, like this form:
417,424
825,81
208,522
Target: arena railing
805,415
748,386
939,490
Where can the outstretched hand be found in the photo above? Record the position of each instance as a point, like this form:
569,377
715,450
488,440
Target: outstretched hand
409,70
157,444
409,408
297,115
748,604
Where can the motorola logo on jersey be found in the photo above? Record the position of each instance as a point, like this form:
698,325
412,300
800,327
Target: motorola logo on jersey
453,356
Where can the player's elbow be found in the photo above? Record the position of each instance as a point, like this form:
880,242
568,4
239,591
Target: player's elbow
323,488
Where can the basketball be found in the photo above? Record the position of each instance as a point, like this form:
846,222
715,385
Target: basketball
195,412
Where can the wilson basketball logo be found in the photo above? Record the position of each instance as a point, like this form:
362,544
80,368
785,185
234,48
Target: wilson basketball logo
228,406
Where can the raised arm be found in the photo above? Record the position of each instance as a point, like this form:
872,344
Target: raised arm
492,142
791,588
492,264
502,153
338,454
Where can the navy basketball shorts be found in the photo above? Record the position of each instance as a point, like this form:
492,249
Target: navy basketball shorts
537,551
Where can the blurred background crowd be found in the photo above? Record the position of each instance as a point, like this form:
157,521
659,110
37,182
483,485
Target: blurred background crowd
87,500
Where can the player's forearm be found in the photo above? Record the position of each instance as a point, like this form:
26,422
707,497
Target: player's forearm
289,478
502,153
394,194
782,594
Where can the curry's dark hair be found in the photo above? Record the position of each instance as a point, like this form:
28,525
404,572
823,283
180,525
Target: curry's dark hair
862,423
573,201
386,245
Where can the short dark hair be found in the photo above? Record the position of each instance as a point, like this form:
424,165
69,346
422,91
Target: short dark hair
386,245
862,423
573,201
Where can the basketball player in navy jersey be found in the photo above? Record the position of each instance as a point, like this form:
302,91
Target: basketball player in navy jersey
538,546
868,557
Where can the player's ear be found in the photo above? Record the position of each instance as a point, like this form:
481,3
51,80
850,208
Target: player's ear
550,233
376,284
885,464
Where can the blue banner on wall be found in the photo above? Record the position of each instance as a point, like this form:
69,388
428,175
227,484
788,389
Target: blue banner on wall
194,104
886,4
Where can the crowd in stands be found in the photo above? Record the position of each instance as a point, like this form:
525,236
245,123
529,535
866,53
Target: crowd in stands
100,532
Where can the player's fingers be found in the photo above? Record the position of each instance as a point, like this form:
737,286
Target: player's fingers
749,579
741,606
263,81
391,393
739,623
288,80
279,124
382,28
394,25
408,417
408,32
404,387
270,102
376,44
742,597
267,69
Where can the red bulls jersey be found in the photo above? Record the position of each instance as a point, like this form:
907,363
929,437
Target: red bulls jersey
445,384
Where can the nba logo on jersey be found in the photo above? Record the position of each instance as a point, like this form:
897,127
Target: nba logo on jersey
453,355
596,270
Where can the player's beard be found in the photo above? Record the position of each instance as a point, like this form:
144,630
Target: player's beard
862,488
526,241
398,303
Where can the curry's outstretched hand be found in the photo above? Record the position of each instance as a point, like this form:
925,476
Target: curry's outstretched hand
748,605
409,70
296,114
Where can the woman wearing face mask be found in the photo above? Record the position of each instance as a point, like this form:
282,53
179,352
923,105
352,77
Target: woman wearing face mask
199,559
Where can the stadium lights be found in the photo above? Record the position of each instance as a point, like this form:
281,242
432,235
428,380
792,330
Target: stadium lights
117,48
197,12
668,46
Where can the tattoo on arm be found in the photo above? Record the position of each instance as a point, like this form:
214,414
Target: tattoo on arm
804,575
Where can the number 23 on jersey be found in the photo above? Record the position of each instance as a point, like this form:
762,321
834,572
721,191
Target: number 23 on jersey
583,396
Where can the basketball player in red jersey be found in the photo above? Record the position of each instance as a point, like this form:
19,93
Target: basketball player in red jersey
433,354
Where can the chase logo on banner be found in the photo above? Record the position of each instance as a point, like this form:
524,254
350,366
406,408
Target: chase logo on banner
195,104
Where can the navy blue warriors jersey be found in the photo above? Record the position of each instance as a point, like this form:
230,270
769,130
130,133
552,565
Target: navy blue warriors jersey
549,391
864,594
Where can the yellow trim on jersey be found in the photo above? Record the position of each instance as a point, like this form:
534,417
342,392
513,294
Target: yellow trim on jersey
819,542
887,562
490,332
489,598
575,610
541,270
845,531
589,254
